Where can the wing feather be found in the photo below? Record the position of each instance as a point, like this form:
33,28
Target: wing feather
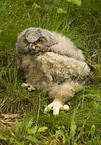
61,68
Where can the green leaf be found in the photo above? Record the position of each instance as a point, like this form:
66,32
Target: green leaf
42,129
35,5
32,130
32,138
48,109
77,2
60,10
29,123
12,133
3,137
73,128
17,127
66,138
92,130
59,132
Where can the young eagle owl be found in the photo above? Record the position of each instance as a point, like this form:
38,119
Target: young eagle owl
50,62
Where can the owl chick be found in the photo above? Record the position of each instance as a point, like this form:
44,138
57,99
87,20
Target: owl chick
50,62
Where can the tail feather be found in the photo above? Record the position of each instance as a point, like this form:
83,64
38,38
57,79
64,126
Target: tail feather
92,68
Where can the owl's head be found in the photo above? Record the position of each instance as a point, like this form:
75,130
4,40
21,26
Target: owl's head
35,40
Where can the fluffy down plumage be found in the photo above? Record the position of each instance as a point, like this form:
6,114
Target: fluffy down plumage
50,62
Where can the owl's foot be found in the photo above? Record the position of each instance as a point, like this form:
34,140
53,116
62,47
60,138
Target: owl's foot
56,105
29,87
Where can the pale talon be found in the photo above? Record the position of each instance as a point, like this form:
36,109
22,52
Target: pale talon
65,107
24,85
57,106
30,88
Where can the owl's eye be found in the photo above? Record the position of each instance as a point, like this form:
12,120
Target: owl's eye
39,41
25,40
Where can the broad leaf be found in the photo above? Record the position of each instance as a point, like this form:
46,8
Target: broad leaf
60,10
32,138
42,129
29,123
78,2
32,130
35,5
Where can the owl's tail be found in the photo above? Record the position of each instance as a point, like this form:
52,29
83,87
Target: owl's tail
92,68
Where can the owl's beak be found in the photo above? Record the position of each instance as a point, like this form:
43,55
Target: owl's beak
31,47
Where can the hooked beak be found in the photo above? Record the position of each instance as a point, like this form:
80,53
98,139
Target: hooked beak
31,47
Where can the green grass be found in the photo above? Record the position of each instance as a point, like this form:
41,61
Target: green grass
82,123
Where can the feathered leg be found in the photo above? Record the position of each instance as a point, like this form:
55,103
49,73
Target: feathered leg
56,105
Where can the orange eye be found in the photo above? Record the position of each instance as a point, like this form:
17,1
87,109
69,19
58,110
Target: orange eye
25,41
39,41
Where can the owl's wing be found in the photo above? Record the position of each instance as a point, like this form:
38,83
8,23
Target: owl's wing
60,79
61,68
66,47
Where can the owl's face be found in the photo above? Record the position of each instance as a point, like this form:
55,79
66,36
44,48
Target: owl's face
35,40
35,46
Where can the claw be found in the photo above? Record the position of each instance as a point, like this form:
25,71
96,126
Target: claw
57,106
29,87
